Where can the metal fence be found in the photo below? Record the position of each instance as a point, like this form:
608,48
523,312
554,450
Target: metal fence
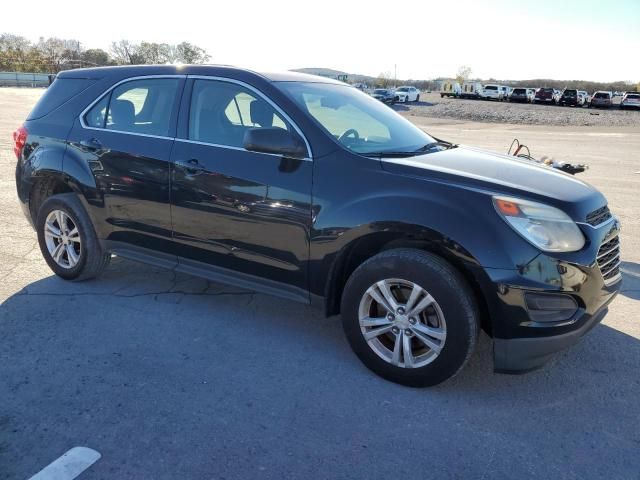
21,79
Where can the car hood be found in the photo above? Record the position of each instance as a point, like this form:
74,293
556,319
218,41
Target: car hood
502,174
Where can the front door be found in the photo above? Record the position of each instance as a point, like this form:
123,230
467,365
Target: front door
236,212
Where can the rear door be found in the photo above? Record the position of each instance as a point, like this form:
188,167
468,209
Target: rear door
240,215
125,140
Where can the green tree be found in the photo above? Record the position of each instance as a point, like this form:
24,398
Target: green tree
186,52
95,57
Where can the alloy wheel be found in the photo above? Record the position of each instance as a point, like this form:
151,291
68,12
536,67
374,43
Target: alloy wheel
402,323
62,239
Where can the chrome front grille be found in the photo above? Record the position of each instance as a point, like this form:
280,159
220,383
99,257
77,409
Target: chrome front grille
598,216
609,260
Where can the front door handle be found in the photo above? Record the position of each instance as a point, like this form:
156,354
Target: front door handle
192,167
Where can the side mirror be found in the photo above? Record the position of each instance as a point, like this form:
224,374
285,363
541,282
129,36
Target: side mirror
275,140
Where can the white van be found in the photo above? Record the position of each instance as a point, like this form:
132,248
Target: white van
471,90
450,89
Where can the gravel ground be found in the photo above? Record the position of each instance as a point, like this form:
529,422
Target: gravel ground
432,106
172,377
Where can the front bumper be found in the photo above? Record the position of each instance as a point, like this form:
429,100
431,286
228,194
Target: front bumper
526,337
521,355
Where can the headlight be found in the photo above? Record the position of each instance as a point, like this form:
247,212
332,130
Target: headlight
548,228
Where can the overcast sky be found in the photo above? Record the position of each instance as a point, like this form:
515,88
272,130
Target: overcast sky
562,39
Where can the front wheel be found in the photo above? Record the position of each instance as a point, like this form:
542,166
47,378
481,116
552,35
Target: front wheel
410,317
67,239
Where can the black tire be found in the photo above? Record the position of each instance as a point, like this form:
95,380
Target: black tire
449,289
92,259
417,98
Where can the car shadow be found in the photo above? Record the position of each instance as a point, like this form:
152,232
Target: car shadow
145,292
630,280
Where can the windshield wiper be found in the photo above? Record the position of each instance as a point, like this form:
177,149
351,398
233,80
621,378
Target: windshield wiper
445,144
391,154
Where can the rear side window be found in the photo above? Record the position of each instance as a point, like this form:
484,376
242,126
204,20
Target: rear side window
221,113
139,106
58,93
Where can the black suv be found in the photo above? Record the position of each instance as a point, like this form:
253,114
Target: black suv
569,97
308,189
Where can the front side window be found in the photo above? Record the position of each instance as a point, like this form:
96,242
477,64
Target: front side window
221,113
139,106
355,119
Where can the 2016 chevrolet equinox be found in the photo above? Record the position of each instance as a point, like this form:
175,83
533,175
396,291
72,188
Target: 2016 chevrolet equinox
308,189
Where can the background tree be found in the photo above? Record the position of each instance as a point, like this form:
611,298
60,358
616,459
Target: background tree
384,80
55,52
155,53
95,57
125,53
186,52
463,74
16,53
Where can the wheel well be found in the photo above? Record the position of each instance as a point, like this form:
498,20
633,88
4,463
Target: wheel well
365,248
42,189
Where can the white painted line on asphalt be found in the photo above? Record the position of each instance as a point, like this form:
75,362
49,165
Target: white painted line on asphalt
69,465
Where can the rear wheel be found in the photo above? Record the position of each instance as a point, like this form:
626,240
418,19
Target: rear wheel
410,317
67,239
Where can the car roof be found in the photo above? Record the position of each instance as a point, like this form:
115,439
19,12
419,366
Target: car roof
213,70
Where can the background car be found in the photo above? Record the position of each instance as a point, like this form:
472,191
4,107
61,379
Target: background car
384,95
556,95
493,92
531,94
569,97
544,95
583,97
519,95
630,100
600,99
407,94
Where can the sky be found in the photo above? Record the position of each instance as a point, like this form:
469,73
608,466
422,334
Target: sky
502,39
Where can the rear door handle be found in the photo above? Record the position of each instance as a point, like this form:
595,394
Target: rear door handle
91,144
192,167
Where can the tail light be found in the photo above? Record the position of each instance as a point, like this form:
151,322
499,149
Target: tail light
19,139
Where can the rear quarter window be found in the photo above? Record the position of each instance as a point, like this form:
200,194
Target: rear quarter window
59,92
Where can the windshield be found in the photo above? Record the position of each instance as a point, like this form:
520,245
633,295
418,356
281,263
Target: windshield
570,93
357,121
490,87
380,91
519,90
402,89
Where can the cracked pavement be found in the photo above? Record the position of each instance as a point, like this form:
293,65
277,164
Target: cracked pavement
170,376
